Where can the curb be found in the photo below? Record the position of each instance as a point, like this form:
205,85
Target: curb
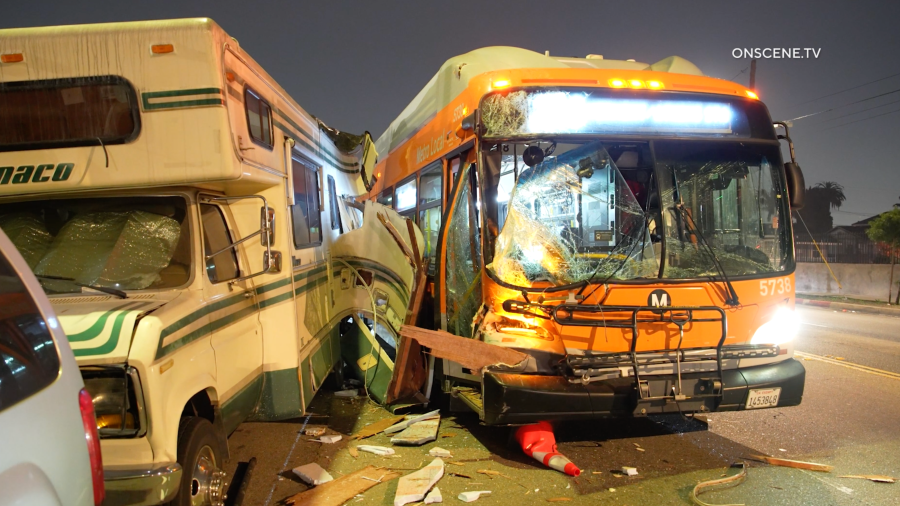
859,308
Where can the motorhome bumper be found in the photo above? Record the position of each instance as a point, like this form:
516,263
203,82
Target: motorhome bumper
525,398
144,486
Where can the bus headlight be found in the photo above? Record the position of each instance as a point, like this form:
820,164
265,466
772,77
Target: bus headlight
781,329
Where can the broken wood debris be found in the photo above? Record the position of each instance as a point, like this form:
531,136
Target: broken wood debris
434,496
731,481
629,471
419,432
341,490
397,427
334,438
377,427
460,475
414,486
314,431
559,499
810,466
439,452
377,450
469,353
878,478
353,451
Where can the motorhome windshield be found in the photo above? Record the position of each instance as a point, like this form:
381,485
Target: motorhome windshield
633,210
127,243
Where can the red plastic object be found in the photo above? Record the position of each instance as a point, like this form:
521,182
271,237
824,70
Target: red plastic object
93,443
538,442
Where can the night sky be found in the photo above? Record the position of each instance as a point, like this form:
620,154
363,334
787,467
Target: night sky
356,64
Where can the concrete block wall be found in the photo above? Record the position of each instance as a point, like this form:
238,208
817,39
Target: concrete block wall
861,281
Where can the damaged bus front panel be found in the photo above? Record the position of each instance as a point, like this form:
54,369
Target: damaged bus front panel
635,245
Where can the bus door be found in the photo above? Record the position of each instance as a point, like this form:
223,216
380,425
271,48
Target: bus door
231,309
458,279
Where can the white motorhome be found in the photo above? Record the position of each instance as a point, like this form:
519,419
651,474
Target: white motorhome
186,217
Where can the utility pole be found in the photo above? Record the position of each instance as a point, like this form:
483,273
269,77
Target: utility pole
753,75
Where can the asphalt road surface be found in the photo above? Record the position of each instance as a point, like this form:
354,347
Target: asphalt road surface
849,418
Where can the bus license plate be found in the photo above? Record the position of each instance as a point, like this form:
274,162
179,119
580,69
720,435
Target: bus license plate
763,398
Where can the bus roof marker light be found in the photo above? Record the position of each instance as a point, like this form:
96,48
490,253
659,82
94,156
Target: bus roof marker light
752,95
636,83
655,85
617,83
500,83
162,49
12,58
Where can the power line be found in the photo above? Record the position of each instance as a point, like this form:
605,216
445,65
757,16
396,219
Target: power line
847,105
849,89
863,119
741,72
864,110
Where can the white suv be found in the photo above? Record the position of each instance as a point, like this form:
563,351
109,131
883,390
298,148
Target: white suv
49,447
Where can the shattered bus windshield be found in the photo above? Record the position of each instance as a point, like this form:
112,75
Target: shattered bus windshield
127,243
732,196
569,219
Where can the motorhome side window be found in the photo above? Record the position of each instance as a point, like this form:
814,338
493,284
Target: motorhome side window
306,211
259,118
333,203
56,113
216,238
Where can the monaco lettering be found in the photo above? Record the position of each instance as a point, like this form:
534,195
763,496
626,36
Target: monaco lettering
35,174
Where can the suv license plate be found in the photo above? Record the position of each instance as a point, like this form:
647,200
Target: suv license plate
763,398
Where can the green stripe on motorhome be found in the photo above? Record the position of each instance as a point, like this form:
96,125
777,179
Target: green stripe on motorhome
155,100
110,344
332,158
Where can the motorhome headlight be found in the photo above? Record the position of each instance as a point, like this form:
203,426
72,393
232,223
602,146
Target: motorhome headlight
781,329
115,391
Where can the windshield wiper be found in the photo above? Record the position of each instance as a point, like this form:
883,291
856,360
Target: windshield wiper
104,289
732,299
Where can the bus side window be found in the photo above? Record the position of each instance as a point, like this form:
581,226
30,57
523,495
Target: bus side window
223,266
406,197
333,204
306,211
387,197
430,204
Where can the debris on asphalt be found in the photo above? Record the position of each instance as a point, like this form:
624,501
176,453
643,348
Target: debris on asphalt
377,450
460,475
353,392
737,479
878,478
409,421
333,438
314,431
439,452
559,499
313,474
473,496
353,451
811,466
456,464
537,441
640,449
377,427
629,471
341,490
612,489
414,486
596,472
434,496
419,432
449,434
488,472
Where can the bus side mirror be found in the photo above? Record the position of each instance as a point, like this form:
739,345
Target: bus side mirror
796,185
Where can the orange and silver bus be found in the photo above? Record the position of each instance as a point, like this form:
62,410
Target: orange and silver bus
627,226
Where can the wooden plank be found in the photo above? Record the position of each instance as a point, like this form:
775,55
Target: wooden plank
811,466
377,427
341,490
469,353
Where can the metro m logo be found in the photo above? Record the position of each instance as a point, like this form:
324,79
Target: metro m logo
659,298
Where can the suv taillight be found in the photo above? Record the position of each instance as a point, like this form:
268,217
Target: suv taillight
93,443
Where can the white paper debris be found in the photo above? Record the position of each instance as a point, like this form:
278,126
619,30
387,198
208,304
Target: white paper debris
313,474
439,452
630,471
473,496
329,439
377,450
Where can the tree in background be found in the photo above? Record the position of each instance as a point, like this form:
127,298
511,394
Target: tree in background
885,229
820,200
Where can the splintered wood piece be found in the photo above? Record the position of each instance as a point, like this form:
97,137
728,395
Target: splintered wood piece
419,433
559,499
880,478
469,353
341,490
353,451
811,466
377,427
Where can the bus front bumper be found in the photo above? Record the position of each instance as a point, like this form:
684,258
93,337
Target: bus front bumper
510,398
141,485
